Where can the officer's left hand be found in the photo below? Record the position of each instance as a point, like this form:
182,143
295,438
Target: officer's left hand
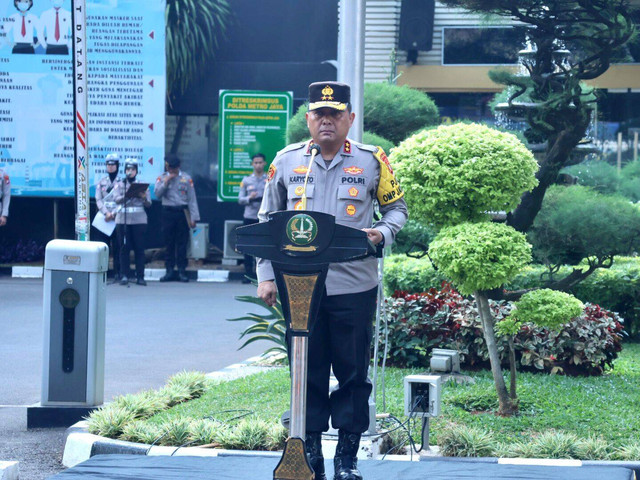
193,224
375,236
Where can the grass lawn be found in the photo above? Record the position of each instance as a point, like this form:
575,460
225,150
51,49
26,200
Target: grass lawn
607,406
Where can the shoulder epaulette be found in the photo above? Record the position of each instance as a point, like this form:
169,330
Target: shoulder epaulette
389,189
291,147
364,146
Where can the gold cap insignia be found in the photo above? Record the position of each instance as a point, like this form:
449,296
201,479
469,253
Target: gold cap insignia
327,93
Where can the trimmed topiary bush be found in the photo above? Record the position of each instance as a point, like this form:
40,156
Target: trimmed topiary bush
544,307
458,173
479,256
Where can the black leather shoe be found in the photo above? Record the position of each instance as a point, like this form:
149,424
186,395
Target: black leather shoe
346,461
170,276
124,280
313,445
182,276
141,281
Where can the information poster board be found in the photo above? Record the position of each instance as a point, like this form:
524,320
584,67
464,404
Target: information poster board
250,122
126,58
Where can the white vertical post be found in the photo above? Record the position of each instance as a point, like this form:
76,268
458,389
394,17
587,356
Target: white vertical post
81,121
635,146
351,57
619,162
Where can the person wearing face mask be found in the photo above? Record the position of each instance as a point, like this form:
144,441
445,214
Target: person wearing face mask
131,222
24,27
105,201
56,24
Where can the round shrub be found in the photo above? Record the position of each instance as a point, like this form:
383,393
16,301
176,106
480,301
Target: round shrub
479,256
597,174
394,112
459,173
576,222
547,308
410,274
369,138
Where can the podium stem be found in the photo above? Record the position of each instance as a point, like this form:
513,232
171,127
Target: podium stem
299,349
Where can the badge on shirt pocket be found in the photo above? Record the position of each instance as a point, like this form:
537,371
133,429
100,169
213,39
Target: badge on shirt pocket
294,196
351,204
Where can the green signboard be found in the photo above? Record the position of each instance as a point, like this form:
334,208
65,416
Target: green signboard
250,122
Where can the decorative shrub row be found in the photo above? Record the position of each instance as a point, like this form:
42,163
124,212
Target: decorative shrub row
445,319
616,288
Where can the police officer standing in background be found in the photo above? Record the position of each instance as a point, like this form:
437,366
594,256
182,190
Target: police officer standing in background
179,213
105,201
5,197
345,180
131,221
251,192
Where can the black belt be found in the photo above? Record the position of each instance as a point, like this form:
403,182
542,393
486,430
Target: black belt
173,208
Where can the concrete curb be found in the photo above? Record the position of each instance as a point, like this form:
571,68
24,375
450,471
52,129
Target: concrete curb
150,274
9,470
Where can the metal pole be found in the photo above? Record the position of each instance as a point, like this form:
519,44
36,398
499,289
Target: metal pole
299,349
351,34
635,146
619,160
81,123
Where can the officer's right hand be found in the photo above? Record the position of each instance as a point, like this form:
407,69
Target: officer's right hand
267,292
3,221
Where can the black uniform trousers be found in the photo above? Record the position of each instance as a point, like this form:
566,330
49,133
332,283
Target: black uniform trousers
176,235
132,237
341,339
249,261
113,242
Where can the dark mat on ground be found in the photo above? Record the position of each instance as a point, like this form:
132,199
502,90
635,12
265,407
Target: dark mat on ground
125,467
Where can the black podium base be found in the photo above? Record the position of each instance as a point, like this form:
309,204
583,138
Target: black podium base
39,416
137,467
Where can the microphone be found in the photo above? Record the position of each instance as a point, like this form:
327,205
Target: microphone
314,148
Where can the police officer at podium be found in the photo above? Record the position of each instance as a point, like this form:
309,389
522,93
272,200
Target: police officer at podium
179,214
345,180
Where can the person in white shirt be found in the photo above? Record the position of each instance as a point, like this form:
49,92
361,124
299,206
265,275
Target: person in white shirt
56,25
24,27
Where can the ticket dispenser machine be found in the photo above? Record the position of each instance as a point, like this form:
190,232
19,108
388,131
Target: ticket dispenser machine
74,323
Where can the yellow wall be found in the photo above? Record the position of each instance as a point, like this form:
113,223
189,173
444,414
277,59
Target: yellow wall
438,78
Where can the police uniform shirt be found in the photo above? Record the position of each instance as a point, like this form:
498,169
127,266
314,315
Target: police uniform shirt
5,193
32,28
346,188
132,212
103,187
48,22
250,184
178,192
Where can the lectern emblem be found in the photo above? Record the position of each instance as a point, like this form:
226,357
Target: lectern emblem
302,229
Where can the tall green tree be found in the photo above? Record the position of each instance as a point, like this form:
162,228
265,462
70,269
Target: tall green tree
557,107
